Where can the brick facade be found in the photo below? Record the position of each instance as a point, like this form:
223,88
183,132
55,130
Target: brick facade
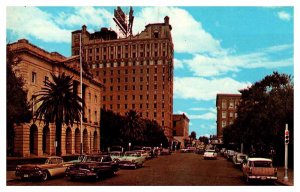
137,71
181,127
226,111
35,138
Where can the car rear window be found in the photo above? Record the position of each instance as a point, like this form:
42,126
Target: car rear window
262,164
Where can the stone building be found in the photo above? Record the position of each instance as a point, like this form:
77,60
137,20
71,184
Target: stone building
136,71
226,111
35,67
181,128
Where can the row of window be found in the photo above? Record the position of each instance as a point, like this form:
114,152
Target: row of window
133,79
46,78
133,97
224,123
133,63
133,87
231,104
231,114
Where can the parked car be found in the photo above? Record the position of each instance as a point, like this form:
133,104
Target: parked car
230,154
210,154
165,151
200,151
259,169
53,166
238,159
116,155
95,166
188,150
132,159
150,151
144,153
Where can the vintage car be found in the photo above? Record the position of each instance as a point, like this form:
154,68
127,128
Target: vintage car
144,153
116,155
94,166
132,159
53,166
150,151
238,159
230,154
210,154
188,150
165,151
259,169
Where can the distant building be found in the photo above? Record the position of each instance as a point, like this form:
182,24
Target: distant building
36,66
137,71
226,111
180,128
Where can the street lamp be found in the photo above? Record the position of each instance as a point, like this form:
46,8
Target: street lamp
129,144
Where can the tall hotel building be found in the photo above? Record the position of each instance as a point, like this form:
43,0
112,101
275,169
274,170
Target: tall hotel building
137,71
226,111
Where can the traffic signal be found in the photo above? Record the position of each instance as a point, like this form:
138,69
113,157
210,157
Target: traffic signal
287,137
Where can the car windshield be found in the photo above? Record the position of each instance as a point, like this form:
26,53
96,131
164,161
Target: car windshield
94,158
132,154
115,154
209,151
262,164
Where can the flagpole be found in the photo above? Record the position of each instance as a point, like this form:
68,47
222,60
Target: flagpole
80,60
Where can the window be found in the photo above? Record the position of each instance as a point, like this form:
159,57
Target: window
223,114
125,87
111,88
231,114
95,98
33,77
133,79
141,106
231,104
133,106
95,116
141,97
46,79
111,97
154,114
141,87
119,97
155,105
155,97
133,97
223,124
125,106
118,106
156,36
125,97
90,118
133,87
103,98
224,104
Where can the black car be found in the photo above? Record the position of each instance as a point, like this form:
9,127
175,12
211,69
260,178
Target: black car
94,167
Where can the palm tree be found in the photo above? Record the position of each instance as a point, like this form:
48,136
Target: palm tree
133,130
59,104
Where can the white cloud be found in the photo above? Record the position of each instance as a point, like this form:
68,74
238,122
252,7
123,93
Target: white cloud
204,89
90,16
188,34
211,109
284,16
178,64
206,116
27,22
205,65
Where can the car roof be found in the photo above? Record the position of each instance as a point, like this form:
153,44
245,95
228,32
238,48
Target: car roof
259,159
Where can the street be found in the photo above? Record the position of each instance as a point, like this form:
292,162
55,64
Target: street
178,169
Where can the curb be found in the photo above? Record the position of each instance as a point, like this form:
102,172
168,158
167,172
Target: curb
281,182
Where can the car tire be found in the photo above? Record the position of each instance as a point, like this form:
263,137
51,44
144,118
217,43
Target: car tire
45,176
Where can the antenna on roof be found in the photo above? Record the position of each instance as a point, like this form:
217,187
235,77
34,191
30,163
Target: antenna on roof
123,22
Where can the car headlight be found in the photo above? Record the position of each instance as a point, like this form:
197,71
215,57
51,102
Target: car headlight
36,168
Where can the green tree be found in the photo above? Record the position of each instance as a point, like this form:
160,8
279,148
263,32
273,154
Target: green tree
264,110
133,129
59,104
193,135
18,109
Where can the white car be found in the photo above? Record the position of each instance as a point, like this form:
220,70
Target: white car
210,154
239,158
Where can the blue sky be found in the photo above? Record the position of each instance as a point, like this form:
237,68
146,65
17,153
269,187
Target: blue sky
217,49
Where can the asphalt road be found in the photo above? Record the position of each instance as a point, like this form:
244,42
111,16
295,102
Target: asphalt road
178,169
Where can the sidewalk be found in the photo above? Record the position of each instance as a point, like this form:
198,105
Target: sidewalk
280,175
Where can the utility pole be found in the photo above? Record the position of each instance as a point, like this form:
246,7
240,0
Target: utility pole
81,146
286,139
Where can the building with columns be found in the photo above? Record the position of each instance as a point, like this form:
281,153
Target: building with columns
226,111
36,139
136,71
